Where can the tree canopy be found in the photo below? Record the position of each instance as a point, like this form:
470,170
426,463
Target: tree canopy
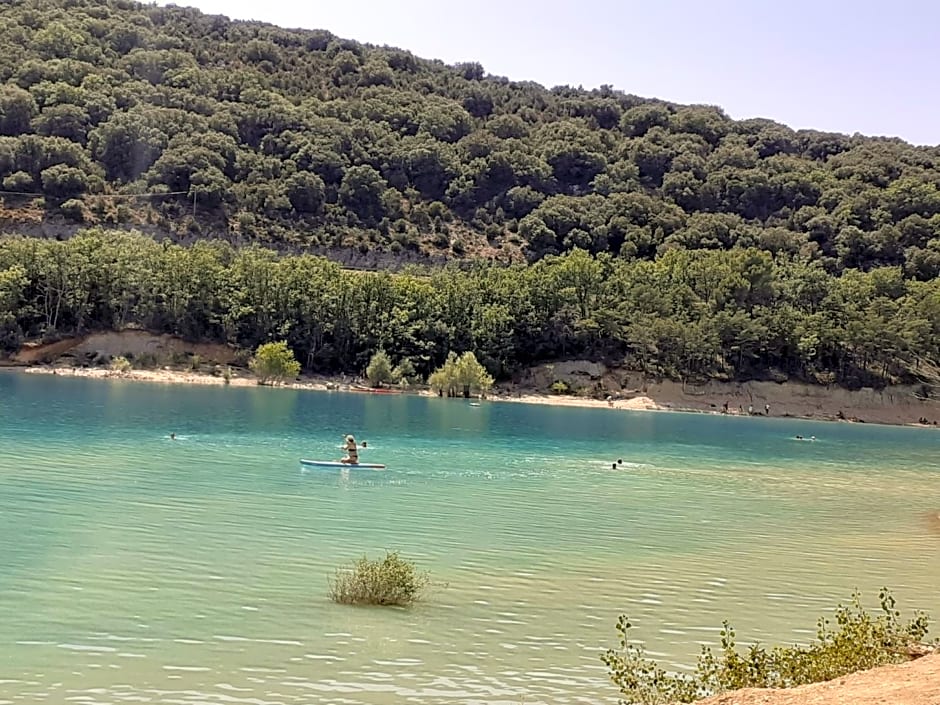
114,112
576,223
702,314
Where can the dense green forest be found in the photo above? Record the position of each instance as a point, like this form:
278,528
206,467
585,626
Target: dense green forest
690,314
586,223
303,139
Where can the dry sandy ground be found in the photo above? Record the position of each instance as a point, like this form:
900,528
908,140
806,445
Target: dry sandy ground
126,342
898,405
164,376
241,379
913,683
638,403
158,376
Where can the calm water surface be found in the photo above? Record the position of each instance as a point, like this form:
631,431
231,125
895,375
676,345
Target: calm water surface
134,568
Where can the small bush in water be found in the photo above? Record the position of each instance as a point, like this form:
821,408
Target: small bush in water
858,642
388,581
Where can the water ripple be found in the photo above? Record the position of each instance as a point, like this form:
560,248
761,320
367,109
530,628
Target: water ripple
135,569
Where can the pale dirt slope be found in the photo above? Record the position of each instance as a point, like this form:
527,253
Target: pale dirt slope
912,683
132,342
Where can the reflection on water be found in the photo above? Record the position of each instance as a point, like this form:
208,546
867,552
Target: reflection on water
135,568
933,521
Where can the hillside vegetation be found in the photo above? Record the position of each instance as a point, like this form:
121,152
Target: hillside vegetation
734,314
665,237
302,138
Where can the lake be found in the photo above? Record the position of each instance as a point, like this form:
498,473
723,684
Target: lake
137,568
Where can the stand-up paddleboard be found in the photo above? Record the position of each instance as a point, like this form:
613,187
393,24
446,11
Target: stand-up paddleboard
337,464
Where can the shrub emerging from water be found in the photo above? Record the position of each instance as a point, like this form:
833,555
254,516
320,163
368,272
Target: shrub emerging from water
391,581
858,641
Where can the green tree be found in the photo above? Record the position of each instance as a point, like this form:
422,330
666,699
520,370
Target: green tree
471,376
361,192
17,108
404,372
443,380
18,181
274,363
126,145
305,192
68,121
460,376
61,181
13,280
580,274
379,370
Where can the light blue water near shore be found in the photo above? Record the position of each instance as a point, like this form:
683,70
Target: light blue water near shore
133,567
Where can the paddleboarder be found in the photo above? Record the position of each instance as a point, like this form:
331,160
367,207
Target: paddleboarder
352,452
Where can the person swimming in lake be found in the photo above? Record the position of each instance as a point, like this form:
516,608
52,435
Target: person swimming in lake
352,452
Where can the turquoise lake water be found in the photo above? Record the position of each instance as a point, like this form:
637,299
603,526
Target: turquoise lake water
134,568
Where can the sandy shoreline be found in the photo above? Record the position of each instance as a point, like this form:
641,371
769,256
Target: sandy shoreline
324,384
663,396
590,382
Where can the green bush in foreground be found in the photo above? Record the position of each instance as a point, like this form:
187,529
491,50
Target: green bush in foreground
858,641
391,581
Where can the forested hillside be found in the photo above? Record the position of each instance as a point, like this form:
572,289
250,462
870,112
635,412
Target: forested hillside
307,139
664,237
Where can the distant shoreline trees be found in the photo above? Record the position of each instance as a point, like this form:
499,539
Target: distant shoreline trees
741,314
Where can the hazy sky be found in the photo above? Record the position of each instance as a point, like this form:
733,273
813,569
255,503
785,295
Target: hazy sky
863,66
